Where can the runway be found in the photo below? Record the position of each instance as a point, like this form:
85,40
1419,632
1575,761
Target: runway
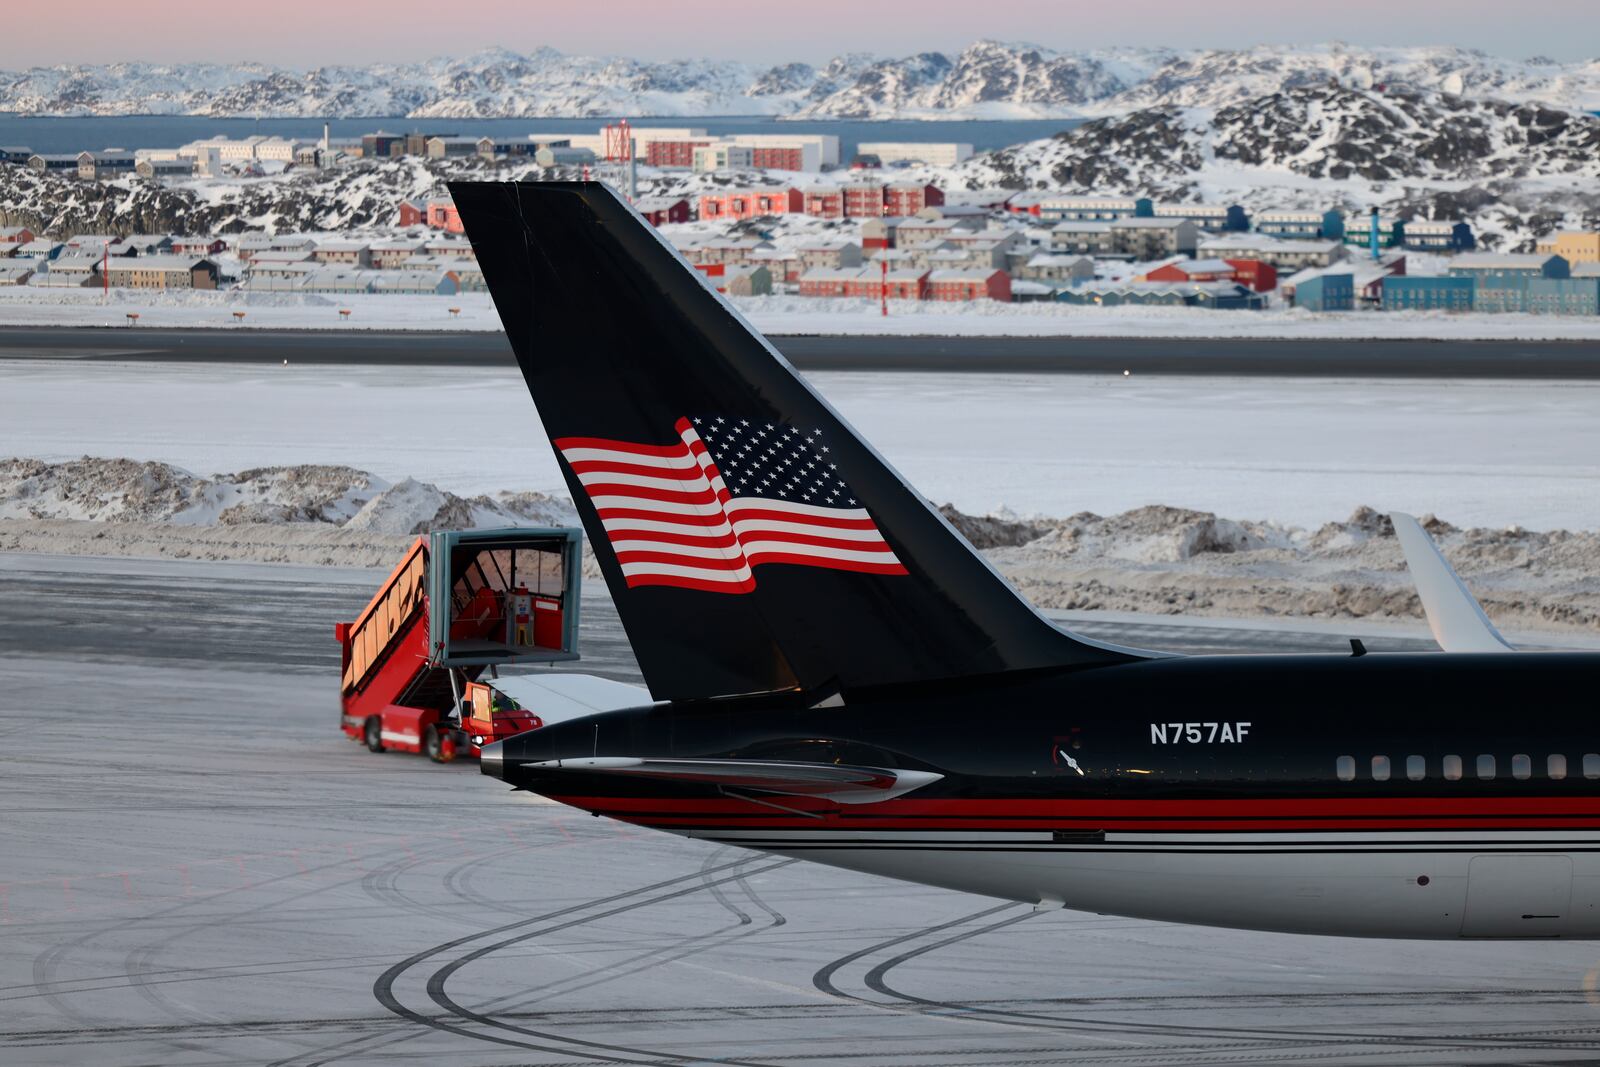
1362,358
199,869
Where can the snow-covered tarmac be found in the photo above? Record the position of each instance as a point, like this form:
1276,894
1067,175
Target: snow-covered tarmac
198,869
1300,451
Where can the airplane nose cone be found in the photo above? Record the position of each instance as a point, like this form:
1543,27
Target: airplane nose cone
492,761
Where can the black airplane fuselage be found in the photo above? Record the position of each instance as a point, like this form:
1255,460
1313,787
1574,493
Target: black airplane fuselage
1101,788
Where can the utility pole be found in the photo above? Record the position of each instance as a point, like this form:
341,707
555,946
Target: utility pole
883,291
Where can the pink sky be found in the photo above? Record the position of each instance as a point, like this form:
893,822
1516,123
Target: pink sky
302,33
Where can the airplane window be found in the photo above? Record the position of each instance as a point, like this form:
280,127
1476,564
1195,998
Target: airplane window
1486,767
1345,768
1416,768
1380,768
1591,765
1452,768
1521,767
1556,767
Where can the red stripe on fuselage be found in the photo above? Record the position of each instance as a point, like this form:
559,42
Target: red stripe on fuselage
1260,816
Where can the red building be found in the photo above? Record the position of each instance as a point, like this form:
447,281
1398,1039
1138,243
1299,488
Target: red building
907,284
672,153
774,158
411,214
736,204
660,209
1259,276
908,198
195,246
825,203
14,237
1193,271
969,285
442,215
829,282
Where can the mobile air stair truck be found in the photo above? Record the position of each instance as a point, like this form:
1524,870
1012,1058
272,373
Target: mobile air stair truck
461,604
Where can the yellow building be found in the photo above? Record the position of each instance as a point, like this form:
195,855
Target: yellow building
1573,246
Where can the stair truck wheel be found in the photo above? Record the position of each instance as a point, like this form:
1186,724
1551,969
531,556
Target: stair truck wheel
374,733
439,748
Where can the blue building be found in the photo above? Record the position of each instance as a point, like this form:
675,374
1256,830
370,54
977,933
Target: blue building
1443,235
1402,292
1502,280
1326,292
1489,267
1308,225
1219,296
1564,296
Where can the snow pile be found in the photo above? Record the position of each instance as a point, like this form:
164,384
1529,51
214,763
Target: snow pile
1153,559
1174,560
128,491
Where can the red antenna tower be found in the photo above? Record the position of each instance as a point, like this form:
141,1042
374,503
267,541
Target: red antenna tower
618,142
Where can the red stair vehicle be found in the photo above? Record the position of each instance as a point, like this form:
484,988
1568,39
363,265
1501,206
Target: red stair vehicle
462,602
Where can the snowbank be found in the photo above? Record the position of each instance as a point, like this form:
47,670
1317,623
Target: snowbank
130,491
1156,559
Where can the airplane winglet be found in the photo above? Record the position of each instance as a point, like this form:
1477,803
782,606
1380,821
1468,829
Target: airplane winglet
1454,615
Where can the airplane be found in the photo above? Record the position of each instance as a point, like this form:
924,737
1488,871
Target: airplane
834,673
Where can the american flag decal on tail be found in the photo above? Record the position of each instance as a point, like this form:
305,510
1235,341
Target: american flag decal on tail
729,495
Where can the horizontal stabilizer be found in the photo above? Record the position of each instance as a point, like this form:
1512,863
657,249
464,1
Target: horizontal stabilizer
559,697
1454,615
826,781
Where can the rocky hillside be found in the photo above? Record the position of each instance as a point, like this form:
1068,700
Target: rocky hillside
1517,169
361,196
986,80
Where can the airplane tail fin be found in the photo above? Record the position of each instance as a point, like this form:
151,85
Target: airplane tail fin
751,540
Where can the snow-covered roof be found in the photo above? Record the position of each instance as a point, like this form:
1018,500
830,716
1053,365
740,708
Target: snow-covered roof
1586,270
408,281
828,245
1204,266
1153,288
657,203
75,264
1261,242
834,274
1081,226
273,256
1148,224
977,275
164,263
343,246
1057,259
1501,261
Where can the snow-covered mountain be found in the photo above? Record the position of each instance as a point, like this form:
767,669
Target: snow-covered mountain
986,80
1516,169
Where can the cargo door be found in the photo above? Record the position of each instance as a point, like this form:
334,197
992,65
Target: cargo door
1518,896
